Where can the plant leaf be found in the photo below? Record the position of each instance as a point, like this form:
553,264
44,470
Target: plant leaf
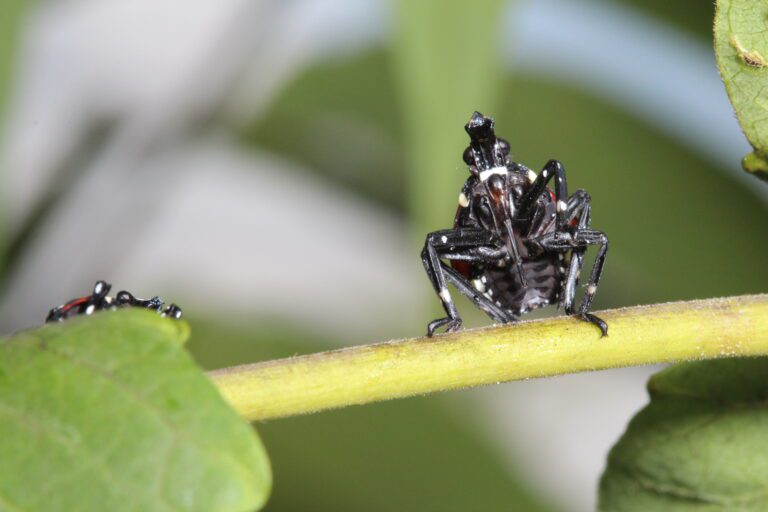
699,444
741,46
110,413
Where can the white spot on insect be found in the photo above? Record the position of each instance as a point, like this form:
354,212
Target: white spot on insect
591,289
561,206
463,200
445,294
443,238
90,309
490,292
498,303
502,171
545,173
478,284
484,279
531,176
561,269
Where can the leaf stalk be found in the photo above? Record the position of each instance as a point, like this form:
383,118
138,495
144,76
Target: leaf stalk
660,333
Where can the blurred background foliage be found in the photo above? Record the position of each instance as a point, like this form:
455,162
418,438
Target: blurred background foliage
273,167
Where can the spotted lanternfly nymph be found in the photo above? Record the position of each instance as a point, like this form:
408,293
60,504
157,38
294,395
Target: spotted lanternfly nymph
515,245
100,300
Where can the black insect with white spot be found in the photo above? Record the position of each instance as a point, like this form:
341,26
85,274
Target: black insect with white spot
515,245
100,300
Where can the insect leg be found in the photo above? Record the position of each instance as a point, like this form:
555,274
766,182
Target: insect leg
172,311
571,279
591,237
578,209
125,298
553,169
99,297
460,244
480,300
564,242
434,268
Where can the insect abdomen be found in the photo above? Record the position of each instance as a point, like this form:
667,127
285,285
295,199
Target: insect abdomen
543,277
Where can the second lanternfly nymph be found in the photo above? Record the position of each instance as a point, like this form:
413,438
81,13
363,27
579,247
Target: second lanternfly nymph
515,245
100,300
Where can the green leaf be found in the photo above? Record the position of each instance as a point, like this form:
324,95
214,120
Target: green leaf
741,45
110,413
699,445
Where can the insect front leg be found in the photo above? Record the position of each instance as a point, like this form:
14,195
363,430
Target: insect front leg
578,242
579,210
553,169
571,280
464,244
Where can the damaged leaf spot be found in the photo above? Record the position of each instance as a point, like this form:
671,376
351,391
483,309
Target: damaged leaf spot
750,57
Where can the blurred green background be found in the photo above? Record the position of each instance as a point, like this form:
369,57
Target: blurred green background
273,167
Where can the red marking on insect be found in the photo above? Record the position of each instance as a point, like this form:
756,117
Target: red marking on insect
75,303
462,267
552,194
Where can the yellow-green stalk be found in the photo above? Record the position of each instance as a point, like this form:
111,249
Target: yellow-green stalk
706,329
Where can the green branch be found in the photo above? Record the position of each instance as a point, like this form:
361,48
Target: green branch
707,329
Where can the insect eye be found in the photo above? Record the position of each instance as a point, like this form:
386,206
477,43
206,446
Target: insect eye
468,157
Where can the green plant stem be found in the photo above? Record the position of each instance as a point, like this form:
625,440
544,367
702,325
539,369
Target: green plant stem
705,329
